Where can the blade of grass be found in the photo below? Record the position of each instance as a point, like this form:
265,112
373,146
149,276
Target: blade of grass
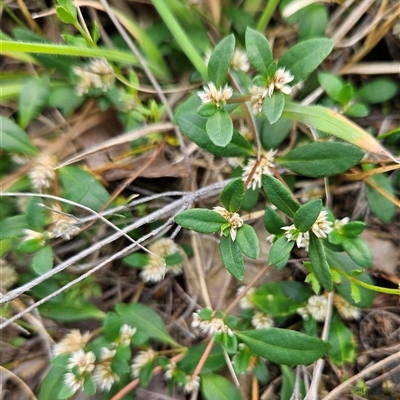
180,36
266,15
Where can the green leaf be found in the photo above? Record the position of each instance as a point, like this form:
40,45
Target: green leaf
35,214
343,348
214,361
345,94
232,195
247,240
273,221
318,262
81,186
358,251
352,229
313,21
42,261
273,106
357,110
283,346
74,312
32,99
194,127
380,206
52,384
13,227
229,343
89,385
14,139
321,159
219,128
280,249
220,61
65,16
355,292
137,259
378,91
200,220
343,262
304,57
215,387
331,83
272,135
288,382
307,214
232,257
146,320
68,5
279,195
258,51
207,110
111,325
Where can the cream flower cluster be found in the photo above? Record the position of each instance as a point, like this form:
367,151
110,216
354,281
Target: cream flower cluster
42,173
316,307
213,95
190,385
262,167
233,219
156,268
103,375
143,358
83,364
98,74
279,82
212,326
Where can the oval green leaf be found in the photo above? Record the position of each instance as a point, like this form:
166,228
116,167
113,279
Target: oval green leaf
232,257
318,262
273,106
247,240
307,214
200,220
220,61
14,139
35,214
304,57
217,387
258,50
283,346
321,159
342,341
219,128
358,251
378,90
232,195
280,249
279,195
42,261
273,221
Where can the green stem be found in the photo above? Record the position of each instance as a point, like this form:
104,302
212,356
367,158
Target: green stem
266,15
367,285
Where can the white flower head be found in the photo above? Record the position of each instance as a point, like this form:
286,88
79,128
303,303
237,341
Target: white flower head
233,219
83,361
211,326
345,309
63,225
240,60
42,174
317,307
33,235
8,275
262,167
74,382
261,320
71,343
213,95
143,357
292,233
322,227
103,375
339,223
247,300
125,335
154,271
191,385
257,97
281,79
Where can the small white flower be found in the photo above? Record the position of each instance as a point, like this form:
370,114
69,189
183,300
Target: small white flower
63,225
240,60
264,165
213,95
74,382
33,235
154,271
42,173
233,219
191,385
292,233
247,300
125,335
144,357
212,326
261,320
322,227
258,95
170,371
280,80
84,361
103,374
339,223
317,307
71,343
346,310
8,276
